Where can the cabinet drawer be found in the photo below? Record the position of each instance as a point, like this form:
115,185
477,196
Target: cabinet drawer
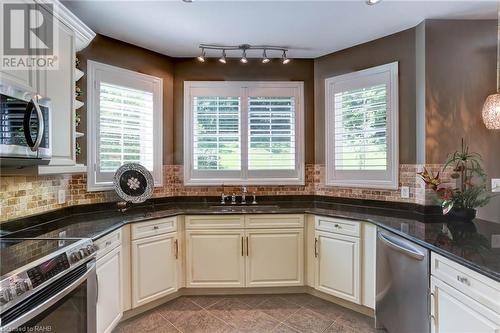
274,221
338,226
480,288
107,243
154,227
214,222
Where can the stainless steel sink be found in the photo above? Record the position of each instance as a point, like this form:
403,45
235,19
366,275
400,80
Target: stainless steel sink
243,208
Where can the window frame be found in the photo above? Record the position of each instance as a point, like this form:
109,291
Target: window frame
244,177
388,179
95,70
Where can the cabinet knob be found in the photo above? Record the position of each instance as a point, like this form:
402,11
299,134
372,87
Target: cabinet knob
156,227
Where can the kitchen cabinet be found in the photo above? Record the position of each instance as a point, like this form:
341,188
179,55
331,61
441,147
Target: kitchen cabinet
454,312
462,300
154,267
220,253
25,79
338,265
215,258
58,85
274,257
109,293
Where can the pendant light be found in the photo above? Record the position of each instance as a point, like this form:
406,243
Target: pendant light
491,108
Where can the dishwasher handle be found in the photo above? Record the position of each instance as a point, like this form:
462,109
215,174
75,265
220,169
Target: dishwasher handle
401,247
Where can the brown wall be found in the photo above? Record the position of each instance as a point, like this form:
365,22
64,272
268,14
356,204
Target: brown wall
397,47
114,52
193,70
460,73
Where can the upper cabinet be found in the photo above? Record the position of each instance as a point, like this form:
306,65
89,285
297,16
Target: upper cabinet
56,86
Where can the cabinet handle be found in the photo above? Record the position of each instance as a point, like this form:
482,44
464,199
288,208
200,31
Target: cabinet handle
338,226
108,243
463,280
247,247
96,288
242,241
176,249
156,227
316,247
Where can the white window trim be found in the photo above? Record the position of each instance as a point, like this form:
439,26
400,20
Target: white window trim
335,178
92,119
190,180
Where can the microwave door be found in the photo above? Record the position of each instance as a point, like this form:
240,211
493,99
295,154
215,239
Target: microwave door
13,124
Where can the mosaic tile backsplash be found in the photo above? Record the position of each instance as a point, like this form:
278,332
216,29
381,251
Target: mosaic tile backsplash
22,196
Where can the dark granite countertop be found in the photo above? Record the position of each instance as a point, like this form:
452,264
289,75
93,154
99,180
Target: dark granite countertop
470,244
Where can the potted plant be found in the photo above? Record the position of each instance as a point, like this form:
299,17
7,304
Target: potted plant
470,191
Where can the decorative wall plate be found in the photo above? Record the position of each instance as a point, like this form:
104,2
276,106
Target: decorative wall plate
133,183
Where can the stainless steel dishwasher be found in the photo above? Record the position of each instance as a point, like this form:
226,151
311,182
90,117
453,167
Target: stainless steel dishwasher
402,300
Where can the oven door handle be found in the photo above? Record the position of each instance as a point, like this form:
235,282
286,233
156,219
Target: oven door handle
24,318
26,125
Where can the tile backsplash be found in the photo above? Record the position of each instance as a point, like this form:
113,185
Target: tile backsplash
22,196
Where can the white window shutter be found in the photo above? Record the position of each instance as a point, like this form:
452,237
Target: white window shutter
271,132
362,144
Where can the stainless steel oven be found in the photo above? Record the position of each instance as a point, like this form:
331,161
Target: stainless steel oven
54,293
24,128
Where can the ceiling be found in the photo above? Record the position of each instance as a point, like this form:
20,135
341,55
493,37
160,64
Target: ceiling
308,28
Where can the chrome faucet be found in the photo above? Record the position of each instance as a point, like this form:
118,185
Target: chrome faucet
243,195
223,198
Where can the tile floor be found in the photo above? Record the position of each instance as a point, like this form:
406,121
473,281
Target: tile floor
290,313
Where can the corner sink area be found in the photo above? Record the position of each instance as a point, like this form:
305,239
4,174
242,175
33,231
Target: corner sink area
243,208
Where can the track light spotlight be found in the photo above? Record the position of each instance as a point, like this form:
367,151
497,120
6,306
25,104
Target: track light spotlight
201,57
223,58
265,59
372,2
285,60
244,59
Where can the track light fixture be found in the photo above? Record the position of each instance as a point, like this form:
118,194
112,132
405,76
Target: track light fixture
265,59
223,58
285,60
243,48
372,2
244,59
202,56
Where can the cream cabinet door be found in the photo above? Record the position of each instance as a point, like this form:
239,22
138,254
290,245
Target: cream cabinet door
58,86
109,294
274,257
338,265
454,312
215,258
154,268
23,79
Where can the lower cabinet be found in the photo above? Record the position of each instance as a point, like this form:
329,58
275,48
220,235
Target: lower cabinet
238,258
454,312
337,270
154,267
109,293
215,258
275,257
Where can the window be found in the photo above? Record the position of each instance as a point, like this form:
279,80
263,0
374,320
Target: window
124,123
362,128
243,133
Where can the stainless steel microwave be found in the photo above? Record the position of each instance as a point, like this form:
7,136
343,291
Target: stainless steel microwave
24,128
